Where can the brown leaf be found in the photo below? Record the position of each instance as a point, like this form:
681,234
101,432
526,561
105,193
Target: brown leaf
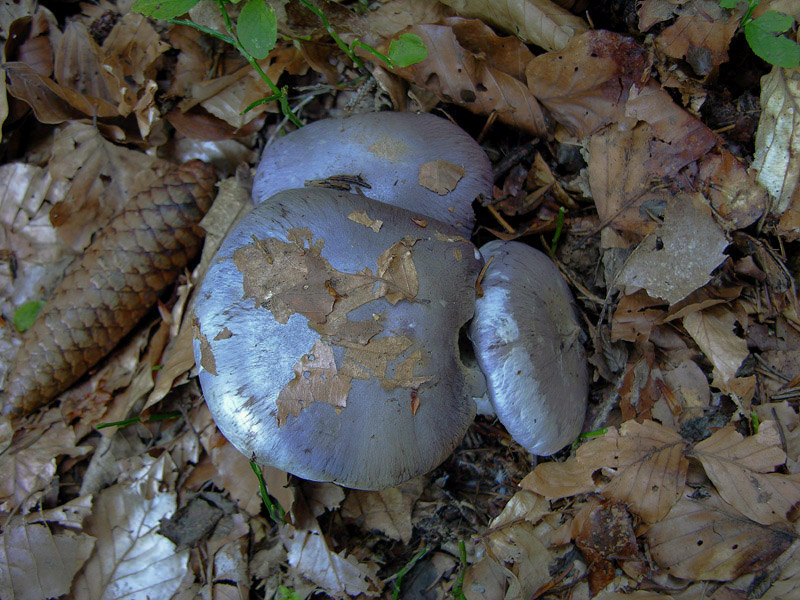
649,469
703,537
456,74
440,176
361,216
36,563
540,22
388,511
586,84
701,35
29,465
397,272
679,257
713,330
605,536
99,178
635,316
742,471
777,155
315,379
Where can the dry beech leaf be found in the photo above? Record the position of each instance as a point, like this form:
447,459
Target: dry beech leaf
713,330
455,73
679,257
705,538
29,465
361,216
388,511
777,152
742,471
310,555
130,558
635,317
79,67
647,466
36,563
99,178
70,514
605,535
732,189
524,505
397,272
586,84
539,22
440,176
516,547
316,379
489,580
701,35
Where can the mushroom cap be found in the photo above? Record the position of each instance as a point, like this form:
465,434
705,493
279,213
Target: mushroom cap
328,346
387,150
526,337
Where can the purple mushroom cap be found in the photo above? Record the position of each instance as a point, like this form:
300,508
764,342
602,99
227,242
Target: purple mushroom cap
392,152
526,337
326,336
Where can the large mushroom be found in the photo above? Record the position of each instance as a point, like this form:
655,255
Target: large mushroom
327,329
329,348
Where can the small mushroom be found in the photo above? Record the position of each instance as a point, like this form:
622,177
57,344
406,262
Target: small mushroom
407,159
329,348
526,338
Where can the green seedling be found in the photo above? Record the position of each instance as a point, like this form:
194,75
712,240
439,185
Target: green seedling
256,34
398,579
559,227
458,588
764,34
274,508
26,314
131,421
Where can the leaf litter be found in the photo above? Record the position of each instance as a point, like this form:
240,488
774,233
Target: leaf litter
697,352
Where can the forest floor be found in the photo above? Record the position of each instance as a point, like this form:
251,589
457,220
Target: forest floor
643,145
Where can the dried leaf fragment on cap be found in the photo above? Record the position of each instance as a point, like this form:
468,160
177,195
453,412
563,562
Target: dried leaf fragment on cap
440,176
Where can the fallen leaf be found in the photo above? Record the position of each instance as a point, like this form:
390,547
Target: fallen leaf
36,563
742,470
130,558
316,379
701,35
397,272
587,84
540,22
679,257
705,538
647,463
29,465
388,511
456,74
777,152
440,176
713,330
361,216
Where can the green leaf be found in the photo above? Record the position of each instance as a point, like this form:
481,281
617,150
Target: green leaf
729,3
762,35
163,9
257,28
408,49
26,313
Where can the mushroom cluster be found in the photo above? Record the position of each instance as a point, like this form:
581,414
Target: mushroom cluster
328,331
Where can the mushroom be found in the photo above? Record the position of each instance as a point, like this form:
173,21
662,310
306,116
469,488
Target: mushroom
395,154
526,338
327,329
329,348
